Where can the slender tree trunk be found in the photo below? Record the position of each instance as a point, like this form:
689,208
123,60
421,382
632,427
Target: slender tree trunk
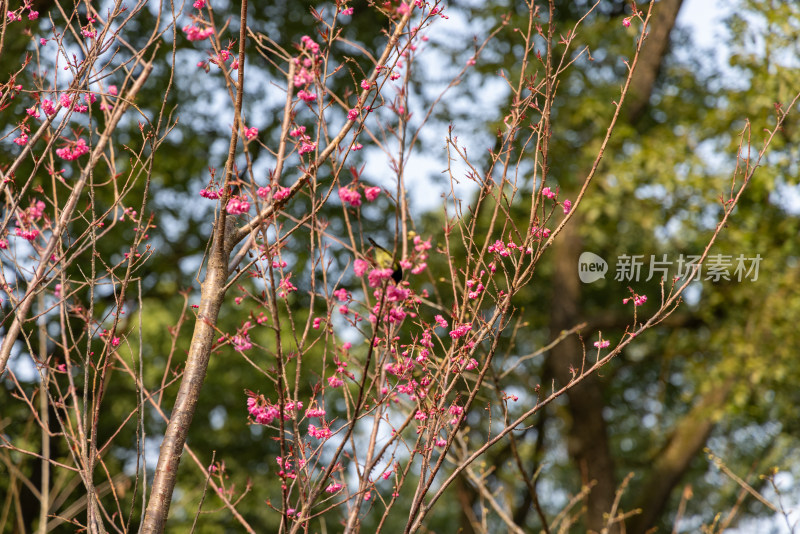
588,436
655,49
169,457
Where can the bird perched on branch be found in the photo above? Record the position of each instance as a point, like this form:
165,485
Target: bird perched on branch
385,260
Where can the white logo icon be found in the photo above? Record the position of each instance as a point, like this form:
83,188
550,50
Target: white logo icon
591,267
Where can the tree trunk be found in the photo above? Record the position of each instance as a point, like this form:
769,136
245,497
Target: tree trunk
588,437
212,295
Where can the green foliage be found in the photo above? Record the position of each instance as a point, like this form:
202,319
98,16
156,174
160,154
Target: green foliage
657,192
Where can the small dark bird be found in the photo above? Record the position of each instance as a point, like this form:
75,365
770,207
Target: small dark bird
385,260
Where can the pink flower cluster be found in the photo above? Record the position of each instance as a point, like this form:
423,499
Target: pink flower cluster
221,58
319,433
89,98
395,313
22,139
399,369
49,107
335,382
281,193
306,146
315,412
209,193
360,267
237,206
251,133
16,15
377,276
540,233
71,154
460,331
410,388
603,343
334,487
193,33
350,196
309,44
396,293
264,412
285,287
28,235
36,210
478,289
304,77
241,342
500,248
341,294
505,250
341,370
420,248
26,218
306,96
305,141
638,300
456,412
287,472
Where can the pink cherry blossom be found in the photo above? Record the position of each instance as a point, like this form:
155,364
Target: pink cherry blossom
372,193
350,196
360,267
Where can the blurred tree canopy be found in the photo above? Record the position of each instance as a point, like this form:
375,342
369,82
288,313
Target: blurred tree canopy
718,373
721,372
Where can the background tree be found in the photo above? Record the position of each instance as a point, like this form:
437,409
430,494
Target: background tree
129,244
692,382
